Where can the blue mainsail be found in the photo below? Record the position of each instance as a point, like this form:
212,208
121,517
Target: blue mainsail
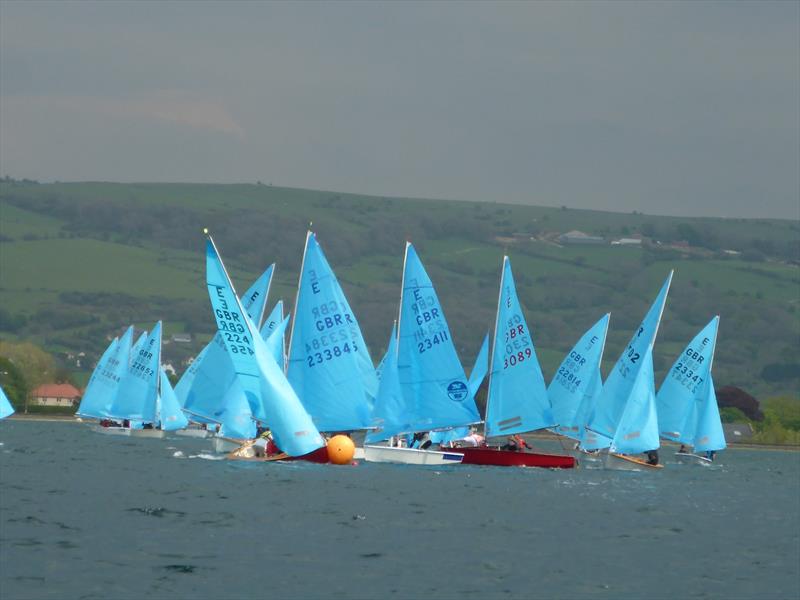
577,382
95,401
108,375
137,345
138,389
684,383
271,323
204,385
171,415
517,400
434,385
638,426
255,298
620,382
269,394
211,376
329,365
390,415
5,406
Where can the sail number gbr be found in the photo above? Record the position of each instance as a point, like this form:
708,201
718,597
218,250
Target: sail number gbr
317,358
518,344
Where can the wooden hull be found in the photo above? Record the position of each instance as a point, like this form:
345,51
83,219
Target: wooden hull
410,456
319,456
491,456
623,462
693,459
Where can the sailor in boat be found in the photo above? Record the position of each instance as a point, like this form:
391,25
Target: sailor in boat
710,455
652,457
515,443
422,440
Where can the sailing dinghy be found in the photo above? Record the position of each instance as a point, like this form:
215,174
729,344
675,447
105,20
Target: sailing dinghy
687,404
209,392
576,385
517,401
624,419
430,392
269,395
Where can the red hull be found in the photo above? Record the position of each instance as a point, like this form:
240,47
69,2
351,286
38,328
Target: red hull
320,455
487,455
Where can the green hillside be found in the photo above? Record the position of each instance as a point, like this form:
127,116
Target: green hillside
79,261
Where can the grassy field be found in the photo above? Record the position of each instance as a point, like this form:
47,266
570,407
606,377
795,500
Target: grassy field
79,261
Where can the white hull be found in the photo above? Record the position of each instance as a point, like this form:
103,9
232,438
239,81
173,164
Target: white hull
194,433
358,454
111,430
225,445
693,459
622,462
410,456
148,433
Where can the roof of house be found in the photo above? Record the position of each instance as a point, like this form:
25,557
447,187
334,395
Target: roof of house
56,390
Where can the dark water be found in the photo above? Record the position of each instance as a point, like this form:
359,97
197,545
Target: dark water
83,515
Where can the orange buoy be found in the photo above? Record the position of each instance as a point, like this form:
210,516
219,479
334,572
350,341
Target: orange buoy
341,450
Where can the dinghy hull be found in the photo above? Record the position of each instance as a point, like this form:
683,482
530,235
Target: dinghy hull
623,462
410,456
111,430
148,433
491,456
194,433
319,456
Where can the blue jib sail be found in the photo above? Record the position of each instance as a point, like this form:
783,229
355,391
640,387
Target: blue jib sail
708,434
138,389
638,426
390,415
172,417
329,364
517,400
107,379
94,402
431,376
5,406
577,381
620,382
480,368
685,381
269,394
204,385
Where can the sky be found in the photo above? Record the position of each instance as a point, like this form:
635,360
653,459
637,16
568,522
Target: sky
673,108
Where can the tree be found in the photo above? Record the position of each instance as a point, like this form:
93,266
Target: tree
35,365
13,383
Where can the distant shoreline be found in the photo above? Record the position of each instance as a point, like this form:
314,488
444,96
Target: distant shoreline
541,436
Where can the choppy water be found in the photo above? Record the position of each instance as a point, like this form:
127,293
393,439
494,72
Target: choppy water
83,515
